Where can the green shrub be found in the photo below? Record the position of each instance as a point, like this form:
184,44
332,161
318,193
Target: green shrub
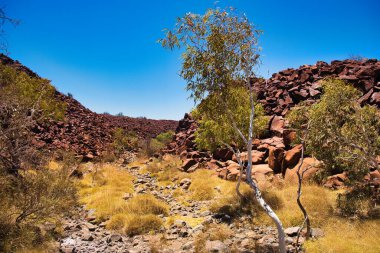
344,135
339,132
155,145
124,141
215,121
33,94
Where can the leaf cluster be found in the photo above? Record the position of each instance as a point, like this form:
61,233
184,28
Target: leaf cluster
338,131
218,113
221,47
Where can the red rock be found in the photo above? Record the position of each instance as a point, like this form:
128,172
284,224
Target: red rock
189,163
183,155
277,125
275,158
223,154
223,173
292,156
365,97
260,174
335,181
233,171
375,177
311,165
213,165
257,157
289,136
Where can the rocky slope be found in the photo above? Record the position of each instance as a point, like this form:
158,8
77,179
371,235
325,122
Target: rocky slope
84,132
291,86
274,154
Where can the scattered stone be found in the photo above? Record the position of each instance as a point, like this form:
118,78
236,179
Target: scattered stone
215,246
185,183
292,231
114,238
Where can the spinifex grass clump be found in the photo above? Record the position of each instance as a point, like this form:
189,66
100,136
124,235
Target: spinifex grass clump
104,190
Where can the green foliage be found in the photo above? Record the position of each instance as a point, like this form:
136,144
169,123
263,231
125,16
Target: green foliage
165,137
35,94
215,113
29,201
338,131
221,48
358,201
221,53
124,141
154,145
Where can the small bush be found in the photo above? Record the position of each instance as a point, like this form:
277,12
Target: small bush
133,224
117,222
146,204
155,145
230,203
202,185
124,141
359,201
140,224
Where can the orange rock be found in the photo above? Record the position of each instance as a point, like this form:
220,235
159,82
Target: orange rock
275,158
292,156
257,157
309,164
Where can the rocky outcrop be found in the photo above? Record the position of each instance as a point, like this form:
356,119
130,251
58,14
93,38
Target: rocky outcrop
278,94
84,132
291,86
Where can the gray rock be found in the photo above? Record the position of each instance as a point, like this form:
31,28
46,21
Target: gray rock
91,227
292,231
188,245
114,238
215,246
87,236
185,183
246,243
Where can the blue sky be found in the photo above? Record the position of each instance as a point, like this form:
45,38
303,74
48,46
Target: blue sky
105,52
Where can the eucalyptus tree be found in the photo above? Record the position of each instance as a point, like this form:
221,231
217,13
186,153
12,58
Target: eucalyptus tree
221,49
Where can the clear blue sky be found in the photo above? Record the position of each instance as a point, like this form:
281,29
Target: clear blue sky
105,52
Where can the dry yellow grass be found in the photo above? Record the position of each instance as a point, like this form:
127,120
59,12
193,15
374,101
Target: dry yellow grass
318,201
134,224
103,190
146,204
192,222
342,236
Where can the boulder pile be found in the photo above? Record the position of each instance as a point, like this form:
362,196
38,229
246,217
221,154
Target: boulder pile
291,86
84,132
274,154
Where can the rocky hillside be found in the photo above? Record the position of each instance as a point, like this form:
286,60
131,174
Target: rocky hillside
83,131
291,86
278,94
